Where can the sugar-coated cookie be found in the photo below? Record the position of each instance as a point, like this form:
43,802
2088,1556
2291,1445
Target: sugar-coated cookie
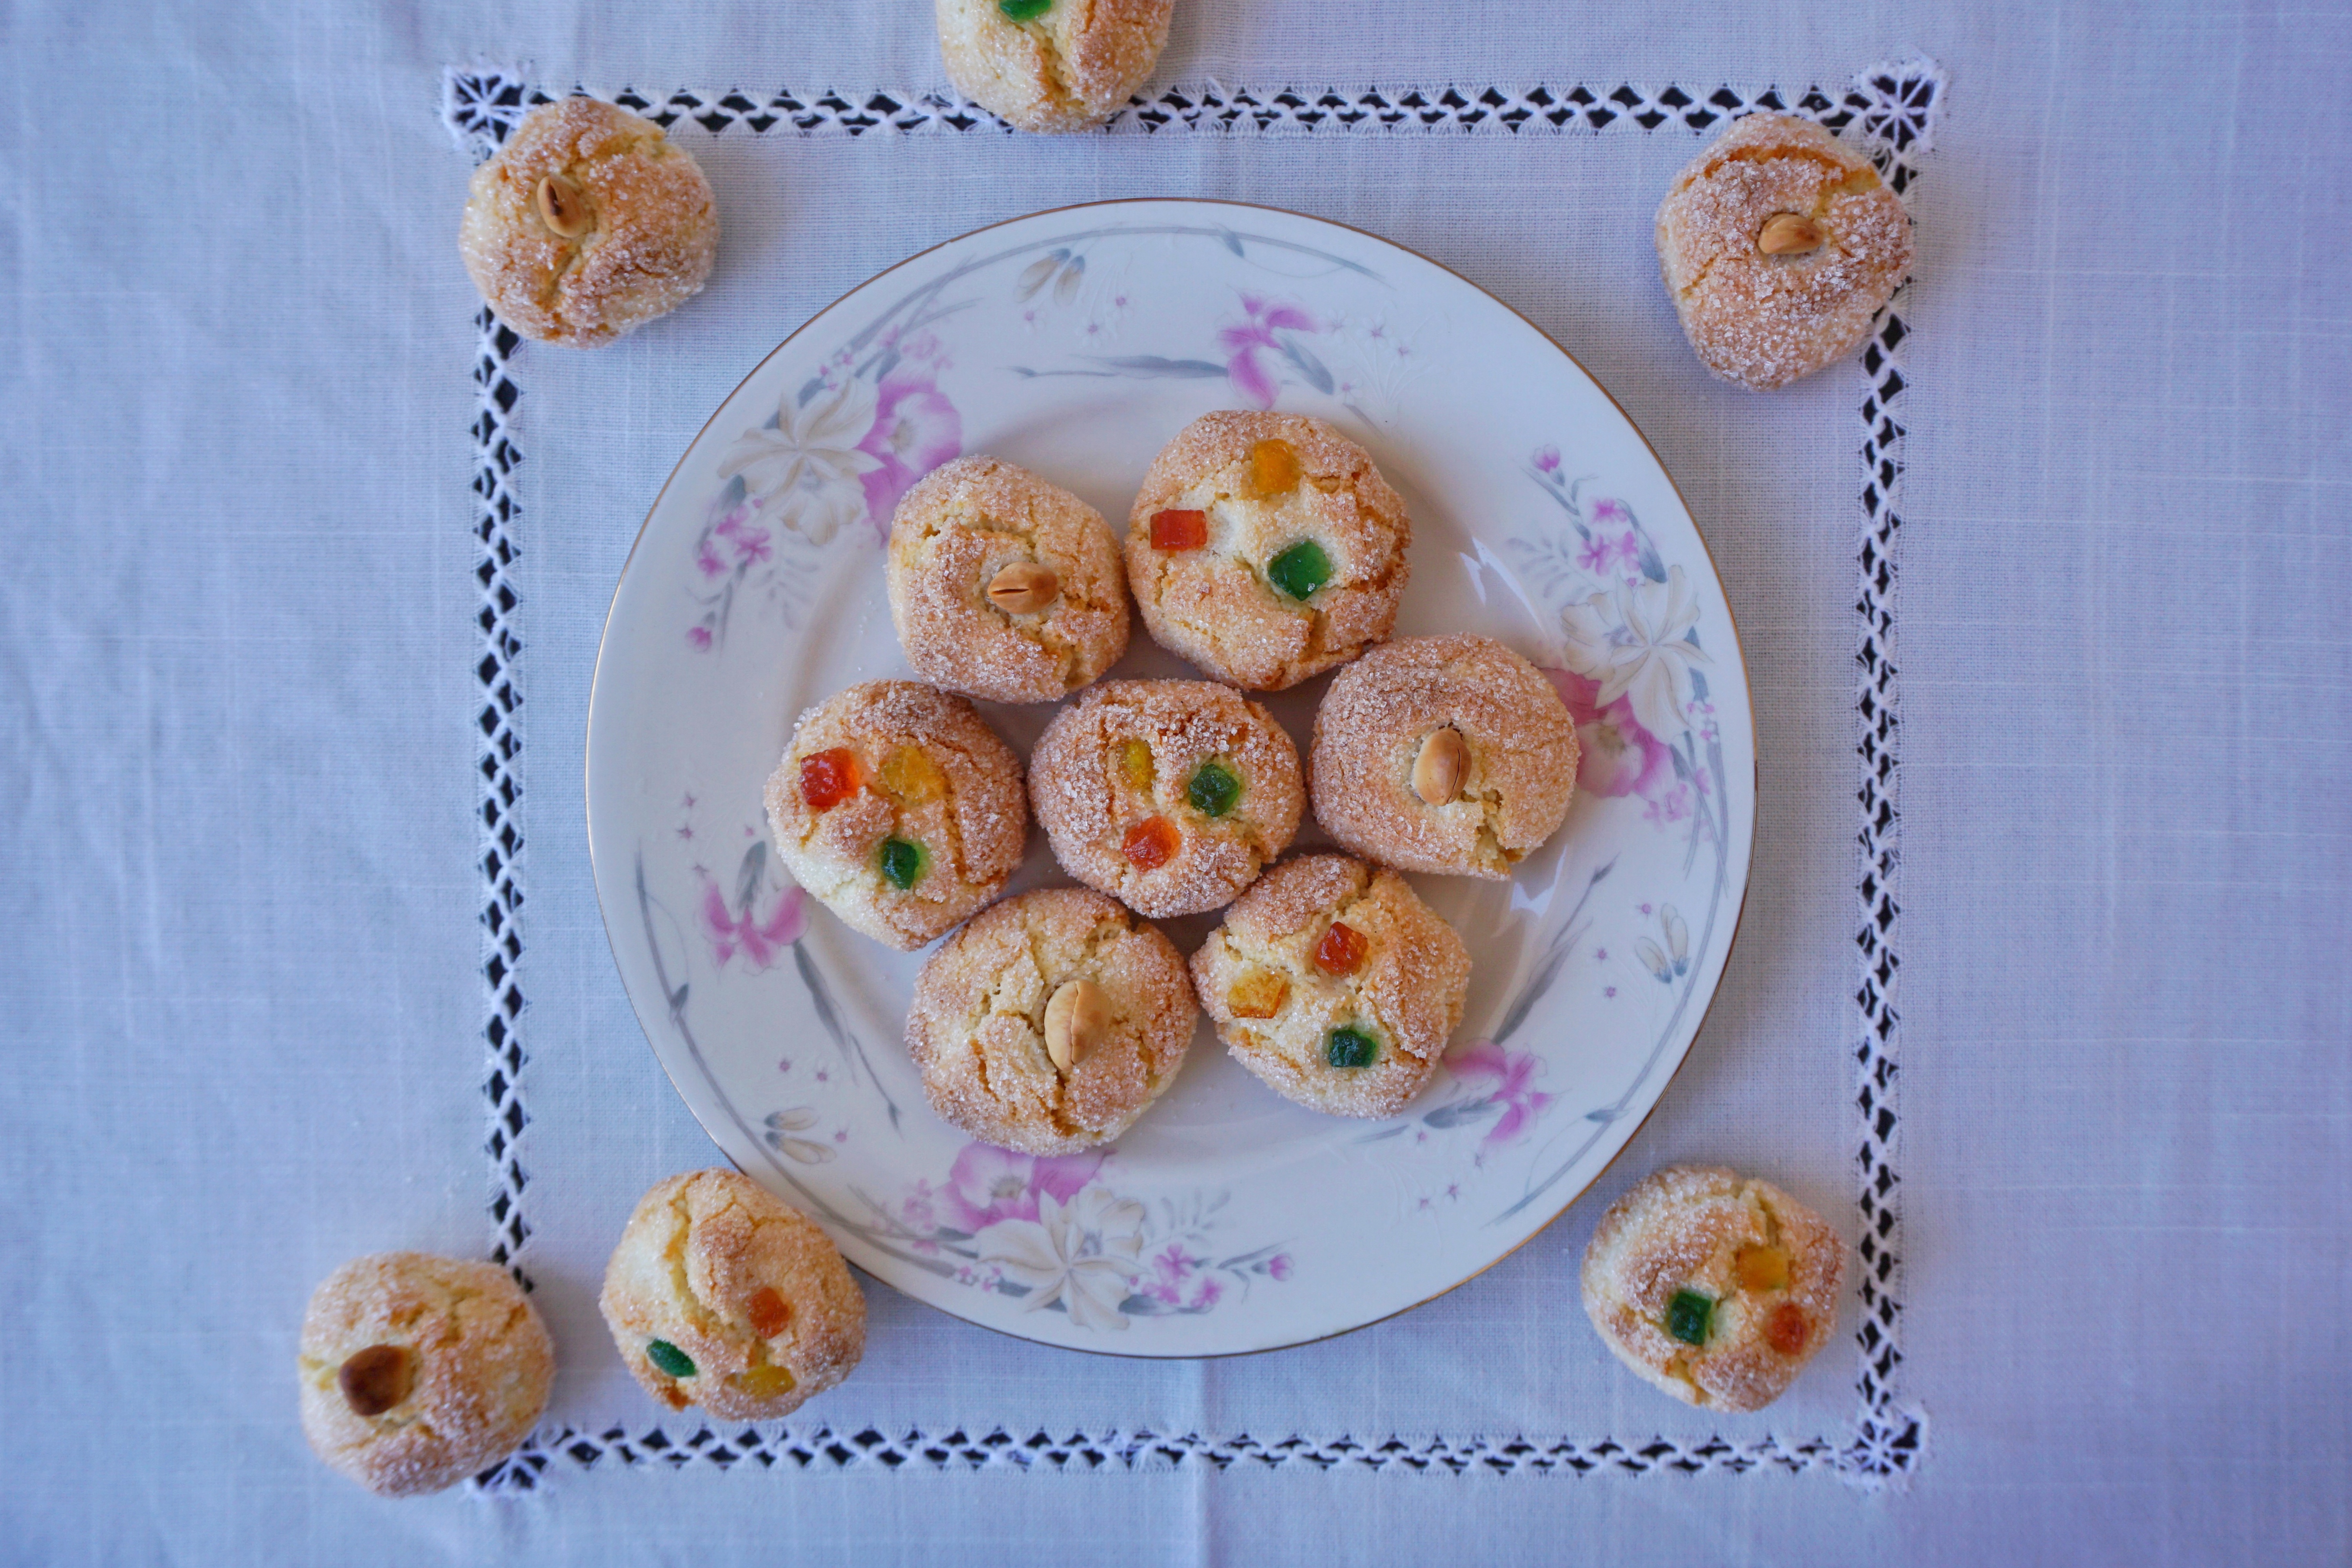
1447,754
1050,1021
1780,244
1333,983
1002,586
1052,65
1169,794
899,808
1265,548
721,1295
588,223
418,1372
1716,1290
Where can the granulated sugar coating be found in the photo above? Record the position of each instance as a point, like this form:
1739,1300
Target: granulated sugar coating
1126,755
649,230
1763,319
922,769
1059,67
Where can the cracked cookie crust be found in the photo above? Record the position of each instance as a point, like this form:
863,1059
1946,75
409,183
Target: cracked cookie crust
1333,983
1715,1288
1265,548
898,809
1000,1060
1002,586
1449,754
1779,246
418,1371
718,1294
589,223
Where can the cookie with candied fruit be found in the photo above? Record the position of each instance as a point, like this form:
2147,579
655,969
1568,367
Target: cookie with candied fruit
1052,65
1266,547
898,809
1448,755
722,1295
587,224
1715,1288
1780,244
1334,984
1171,795
1050,1021
418,1372
1003,585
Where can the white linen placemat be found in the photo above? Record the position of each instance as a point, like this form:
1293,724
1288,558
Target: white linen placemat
1541,194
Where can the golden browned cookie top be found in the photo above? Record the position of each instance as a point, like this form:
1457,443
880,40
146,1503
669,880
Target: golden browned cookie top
1449,754
1063,65
1266,547
1780,244
720,1294
1003,585
1050,1021
418,1372
1715,1288
588,223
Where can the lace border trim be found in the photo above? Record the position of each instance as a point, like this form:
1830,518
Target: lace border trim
1890,110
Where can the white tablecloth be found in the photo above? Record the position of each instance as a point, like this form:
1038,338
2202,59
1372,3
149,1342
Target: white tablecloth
241,639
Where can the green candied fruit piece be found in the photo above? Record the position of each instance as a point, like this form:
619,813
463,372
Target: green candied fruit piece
902,863
1689,1316
1351,1048
1023,10
1299,570
669,1358
1214,789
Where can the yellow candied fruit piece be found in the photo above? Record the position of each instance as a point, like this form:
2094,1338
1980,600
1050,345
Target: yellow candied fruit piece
1135,764
1274,467
1258,994
1763,1268
912,778
762,1381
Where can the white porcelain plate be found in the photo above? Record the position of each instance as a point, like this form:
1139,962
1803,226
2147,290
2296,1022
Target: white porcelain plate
1076,342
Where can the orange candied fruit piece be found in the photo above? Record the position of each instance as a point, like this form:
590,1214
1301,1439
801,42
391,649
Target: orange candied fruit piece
1786,1329
1763,1268
828,778
1341,951
911,778
1258,994
1178,530
1135,764
1151,843
763,1381
769,1313
1274,467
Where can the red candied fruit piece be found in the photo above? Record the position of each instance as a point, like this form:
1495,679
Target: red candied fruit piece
1178,530
828,778
1341,951
1786,1329
1151,843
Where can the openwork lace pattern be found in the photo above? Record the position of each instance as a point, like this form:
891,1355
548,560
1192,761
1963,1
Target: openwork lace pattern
1889,112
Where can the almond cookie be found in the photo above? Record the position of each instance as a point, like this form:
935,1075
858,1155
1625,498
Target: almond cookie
1446,754
1050,1022
1169,794
1716,1290
588,223
420,1371
1003,585
899,808
720,1295
1052,65
1335,983
1780,244
1265,548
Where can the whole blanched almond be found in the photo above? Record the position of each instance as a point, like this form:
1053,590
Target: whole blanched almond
563,207
1787,234
1023,588
1077,1021
1438,771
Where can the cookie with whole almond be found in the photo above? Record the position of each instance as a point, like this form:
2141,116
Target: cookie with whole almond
418,1372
